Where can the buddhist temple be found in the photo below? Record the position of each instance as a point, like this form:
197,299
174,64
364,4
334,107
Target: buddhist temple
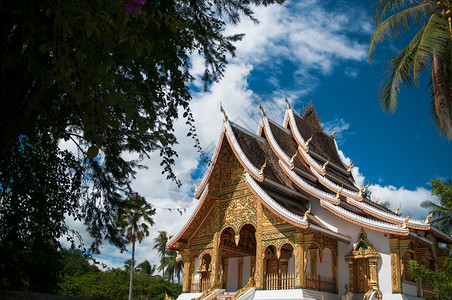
280,216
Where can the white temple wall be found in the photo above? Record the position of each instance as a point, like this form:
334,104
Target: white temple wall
246,273
196,275
324,268
378,240
233,266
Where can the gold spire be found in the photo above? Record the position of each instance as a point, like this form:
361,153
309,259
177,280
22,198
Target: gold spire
378,199
370,193
350,166
397,209
287,101
333,134
305,217
261,171
167,238
225,117
308,141
338,192
428,217
194,185
293,157
405,221
262,109
325,164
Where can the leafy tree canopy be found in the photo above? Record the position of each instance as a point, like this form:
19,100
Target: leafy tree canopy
441,281
442,212
111,77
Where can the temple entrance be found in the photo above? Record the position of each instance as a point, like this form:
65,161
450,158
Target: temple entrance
362,260
360,281
279,268
238,257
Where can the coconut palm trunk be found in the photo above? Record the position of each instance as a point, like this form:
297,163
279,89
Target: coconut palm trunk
132,265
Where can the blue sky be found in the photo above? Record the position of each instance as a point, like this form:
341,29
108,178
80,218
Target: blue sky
308,50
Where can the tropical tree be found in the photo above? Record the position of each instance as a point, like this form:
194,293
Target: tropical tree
134,218
430,49
442,212
146,268
169,266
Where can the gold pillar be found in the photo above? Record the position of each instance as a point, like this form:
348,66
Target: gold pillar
216,259
186,275
259,273
240,274
302,243
397,248
253,266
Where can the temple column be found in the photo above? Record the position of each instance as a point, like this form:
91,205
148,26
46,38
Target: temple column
259,273
186,274
397,248
216,259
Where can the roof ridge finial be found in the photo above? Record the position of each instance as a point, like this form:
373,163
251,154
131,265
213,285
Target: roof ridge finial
333,134
350,166
326,164
262,109
305,217
287,101
261,171
428,217
225,117
293,157
405,221
378,199
309,140
397,209
194,185
340,190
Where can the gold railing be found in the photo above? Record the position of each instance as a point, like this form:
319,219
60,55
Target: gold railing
243,290
345,295
209,291
200,285
283,281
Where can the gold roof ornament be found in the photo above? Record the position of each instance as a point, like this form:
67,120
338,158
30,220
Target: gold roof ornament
225,117
338,192
308,141
293,157
262,109
167,238
397,209
287,101
366,186
333,134
305,217
378,199
405,221
350,167
370,193
428,217
261,171
194,185
326,164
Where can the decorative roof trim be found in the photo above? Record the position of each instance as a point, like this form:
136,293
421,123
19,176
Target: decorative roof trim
273,206
209,171
312,190
343,238
274,144
390,217
240,154
363,221
174,239
335,187
301,142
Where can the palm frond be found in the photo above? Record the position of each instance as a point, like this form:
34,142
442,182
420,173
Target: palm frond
400,69
382,7
435,32
441,111
398,23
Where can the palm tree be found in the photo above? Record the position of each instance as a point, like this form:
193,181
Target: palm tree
134,218
168,262
429,49
146,268
442,212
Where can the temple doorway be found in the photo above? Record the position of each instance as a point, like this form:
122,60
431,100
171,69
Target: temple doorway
238,257
360,281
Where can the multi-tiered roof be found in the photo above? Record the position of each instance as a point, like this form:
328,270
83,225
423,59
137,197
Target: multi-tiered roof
285,165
